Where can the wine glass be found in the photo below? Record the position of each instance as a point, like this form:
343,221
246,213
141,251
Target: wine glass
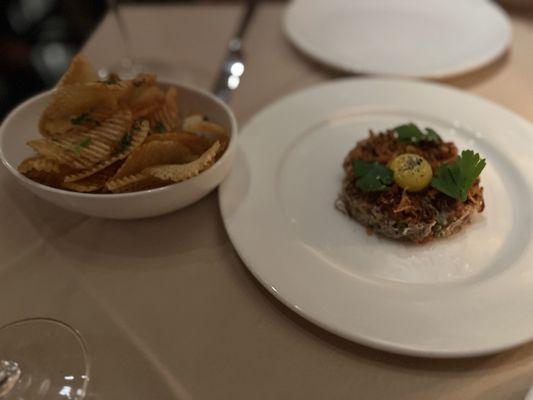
42,358
130,65
127,68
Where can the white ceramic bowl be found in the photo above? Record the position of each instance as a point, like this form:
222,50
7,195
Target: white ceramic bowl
21,125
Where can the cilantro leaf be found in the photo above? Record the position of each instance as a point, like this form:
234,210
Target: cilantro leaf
457,178
432,136
410,133
372,176
84,143
80,119
446,181
159,127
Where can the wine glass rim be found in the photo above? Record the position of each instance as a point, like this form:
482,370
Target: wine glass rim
77,334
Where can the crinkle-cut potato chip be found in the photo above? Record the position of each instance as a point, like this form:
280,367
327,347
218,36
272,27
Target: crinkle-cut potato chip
93,183
60,153
90,119
79,71
49,127
109,131
84,186
154,153
166,118
85,120
113,129
139,84
45,178
38,163
197,144
72,101
134,183
196,123
43,170
142,91
181,172
146,110
137,138
143,96
140,96
83,147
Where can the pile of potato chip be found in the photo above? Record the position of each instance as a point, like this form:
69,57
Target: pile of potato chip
117,136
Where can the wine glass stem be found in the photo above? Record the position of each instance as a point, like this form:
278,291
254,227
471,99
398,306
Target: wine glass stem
123,31
9,376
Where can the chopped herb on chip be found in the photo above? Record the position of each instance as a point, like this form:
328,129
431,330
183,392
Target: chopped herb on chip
84,143
80,119
159,127
124,143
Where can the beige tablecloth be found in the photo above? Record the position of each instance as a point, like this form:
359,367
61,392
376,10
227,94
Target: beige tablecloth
167,307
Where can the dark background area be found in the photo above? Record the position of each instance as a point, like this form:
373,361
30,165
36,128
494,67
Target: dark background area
37,40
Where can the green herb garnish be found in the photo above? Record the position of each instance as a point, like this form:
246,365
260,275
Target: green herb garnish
84,143
457,178
80,119
432,136
125,141
372,176
159,127
410,133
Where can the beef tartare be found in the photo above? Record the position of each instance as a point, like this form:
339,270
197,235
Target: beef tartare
409,184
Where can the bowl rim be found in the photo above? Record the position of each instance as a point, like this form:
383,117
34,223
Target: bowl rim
147,192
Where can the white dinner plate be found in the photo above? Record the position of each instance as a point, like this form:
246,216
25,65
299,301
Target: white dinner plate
430,38
468,294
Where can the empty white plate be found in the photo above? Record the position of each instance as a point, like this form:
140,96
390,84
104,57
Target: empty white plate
468,294
430,38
